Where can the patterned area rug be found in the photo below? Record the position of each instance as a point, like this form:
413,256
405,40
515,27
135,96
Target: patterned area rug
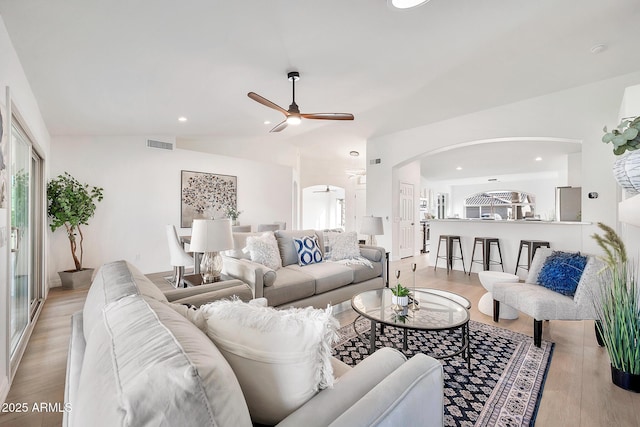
507,371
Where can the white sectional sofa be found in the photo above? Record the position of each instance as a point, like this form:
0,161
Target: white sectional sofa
315,285
136,360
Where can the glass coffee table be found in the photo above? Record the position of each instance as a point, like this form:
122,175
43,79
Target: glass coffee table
439,311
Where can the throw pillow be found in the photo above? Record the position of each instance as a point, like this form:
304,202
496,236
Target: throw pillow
264,250
308,250
280,357
561,272
344,246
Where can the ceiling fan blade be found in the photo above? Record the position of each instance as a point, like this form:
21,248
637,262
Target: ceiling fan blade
280,126
328,116
266,102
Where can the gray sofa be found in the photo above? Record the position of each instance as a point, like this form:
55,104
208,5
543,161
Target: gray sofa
301,286
137,360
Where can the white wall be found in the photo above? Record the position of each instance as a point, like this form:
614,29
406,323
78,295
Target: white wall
25,104
142,195
320,209
577,113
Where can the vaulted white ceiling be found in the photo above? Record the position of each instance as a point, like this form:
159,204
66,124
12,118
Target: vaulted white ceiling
133,67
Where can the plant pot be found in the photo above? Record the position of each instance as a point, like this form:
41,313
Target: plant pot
72,279
626,170
401,301
625,380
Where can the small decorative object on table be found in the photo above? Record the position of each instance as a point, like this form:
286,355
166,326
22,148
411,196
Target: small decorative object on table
233,213
400,297
414,302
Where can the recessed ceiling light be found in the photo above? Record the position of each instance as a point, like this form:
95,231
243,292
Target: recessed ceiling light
354,153
597,48
406,4
538,159
459,168
182,119
267,122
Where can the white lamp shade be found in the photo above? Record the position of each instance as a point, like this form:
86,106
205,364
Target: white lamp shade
372,226
630,106
211,235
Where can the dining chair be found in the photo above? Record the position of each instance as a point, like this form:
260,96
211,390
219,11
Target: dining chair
178,257
268,227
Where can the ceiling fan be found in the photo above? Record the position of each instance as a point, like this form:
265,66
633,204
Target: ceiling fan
326,190
293,115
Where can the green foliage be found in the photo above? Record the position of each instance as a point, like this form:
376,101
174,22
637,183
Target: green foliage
625,137
400,291
232,212
618,305
71,204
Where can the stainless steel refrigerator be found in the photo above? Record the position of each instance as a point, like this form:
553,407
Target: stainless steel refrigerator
568,203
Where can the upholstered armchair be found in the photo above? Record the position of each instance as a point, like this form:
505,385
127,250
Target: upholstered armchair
544,304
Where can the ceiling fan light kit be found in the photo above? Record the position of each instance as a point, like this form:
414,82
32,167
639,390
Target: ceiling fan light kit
293,115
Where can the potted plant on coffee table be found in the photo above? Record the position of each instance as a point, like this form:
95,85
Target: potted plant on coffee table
400,297
70,205
617,308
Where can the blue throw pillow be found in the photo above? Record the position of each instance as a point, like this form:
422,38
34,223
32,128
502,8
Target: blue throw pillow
561,272
308,250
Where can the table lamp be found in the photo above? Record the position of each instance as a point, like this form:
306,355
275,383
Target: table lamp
371,226
210,236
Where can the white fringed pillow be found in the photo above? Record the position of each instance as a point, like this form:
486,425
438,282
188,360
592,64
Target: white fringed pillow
280,357
344,246
264,250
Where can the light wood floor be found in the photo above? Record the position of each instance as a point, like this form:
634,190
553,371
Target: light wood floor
578,390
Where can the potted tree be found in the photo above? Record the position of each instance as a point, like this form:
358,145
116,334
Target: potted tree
70,205
617,309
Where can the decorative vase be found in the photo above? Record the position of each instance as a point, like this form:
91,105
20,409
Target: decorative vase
401,301
625,380
235,222
626,170
72,279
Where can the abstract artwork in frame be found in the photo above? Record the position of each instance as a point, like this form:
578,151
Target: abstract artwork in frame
206,196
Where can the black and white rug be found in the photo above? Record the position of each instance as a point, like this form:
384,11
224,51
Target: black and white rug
506,379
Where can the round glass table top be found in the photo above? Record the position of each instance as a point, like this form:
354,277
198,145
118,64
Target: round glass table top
436,311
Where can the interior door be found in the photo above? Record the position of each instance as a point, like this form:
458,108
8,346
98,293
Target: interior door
407,220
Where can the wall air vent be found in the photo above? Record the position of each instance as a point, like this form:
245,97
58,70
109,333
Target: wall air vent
375,161
153,143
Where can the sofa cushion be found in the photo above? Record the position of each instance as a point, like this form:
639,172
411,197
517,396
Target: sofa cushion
290,285
113,281
308,250
327,275
263,249
159,367
280,357
344,246
561,272
362,273
287,247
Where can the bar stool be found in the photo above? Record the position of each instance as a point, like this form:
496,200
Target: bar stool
486,260
531,246
449,240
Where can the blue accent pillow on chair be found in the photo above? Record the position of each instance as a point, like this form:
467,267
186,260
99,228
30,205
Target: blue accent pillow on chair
561,272
308,250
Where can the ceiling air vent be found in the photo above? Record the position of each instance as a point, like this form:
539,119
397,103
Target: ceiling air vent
375,161
153,143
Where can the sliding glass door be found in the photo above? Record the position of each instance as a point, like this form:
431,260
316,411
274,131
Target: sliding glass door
20,259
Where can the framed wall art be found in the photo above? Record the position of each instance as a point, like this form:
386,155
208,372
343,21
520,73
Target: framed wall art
206,196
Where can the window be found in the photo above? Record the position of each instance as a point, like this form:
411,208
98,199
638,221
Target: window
500,204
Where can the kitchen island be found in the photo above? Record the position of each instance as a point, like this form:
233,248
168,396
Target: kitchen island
562,235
